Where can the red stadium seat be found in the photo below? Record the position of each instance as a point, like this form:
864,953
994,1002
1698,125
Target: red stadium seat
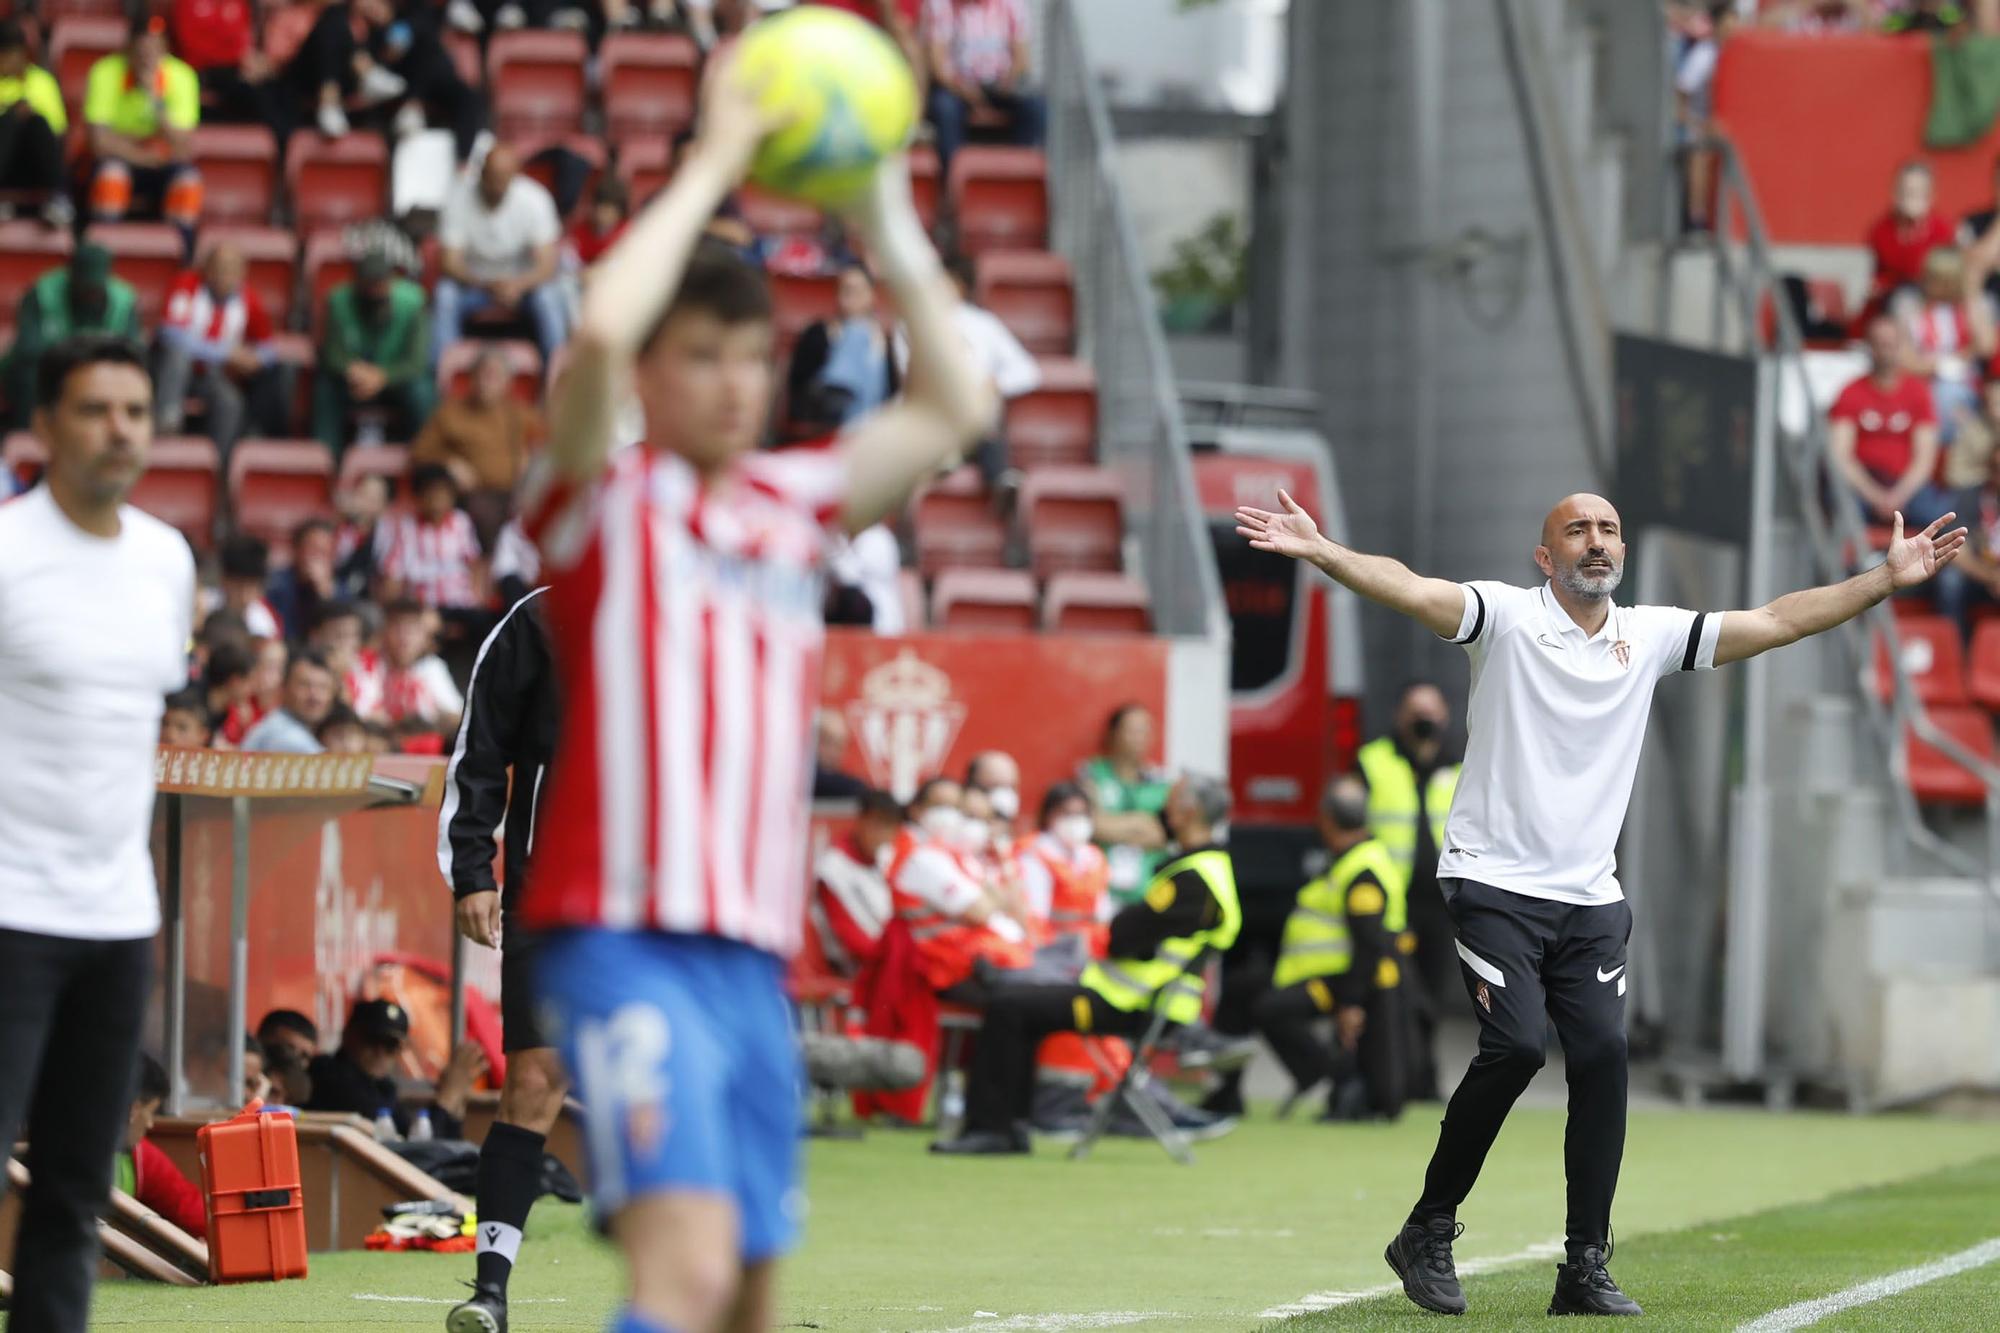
649,83
1096,604
528,148
955,526
327,266
1033,294
146,254
645,165
1937,779
536,80
1933,656
271,258
454,368
239,172
275,484
1000,197
182,486
983,599
1074,519
800,299
75,44
27,250
336,181
373,460
1982,675
925,184
769,215
1056,424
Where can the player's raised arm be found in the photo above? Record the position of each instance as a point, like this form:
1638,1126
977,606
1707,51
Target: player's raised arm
945,403
627,291
1438,604
1796,615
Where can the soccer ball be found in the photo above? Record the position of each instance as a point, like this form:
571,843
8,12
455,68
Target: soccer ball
846,94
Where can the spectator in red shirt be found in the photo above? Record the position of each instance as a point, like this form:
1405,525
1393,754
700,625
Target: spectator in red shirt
1911,229
216,343
226,689
417,687
146,1173
1883,434
592,234
218,39
979,63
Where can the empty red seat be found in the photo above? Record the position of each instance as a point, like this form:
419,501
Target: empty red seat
1074,519
27,250
1938,779
336,181
1096,604
772,215
955,526
1982,671
276,484
1932,655
373,460
239,172
454,368
327,266
800,299
649,83
1056,423
1033,293
983,599
146,254
182,485
77,43
536,81
271,267
1000,197
645,165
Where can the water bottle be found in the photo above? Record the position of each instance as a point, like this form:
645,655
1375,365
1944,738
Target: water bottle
385,1126
421,1131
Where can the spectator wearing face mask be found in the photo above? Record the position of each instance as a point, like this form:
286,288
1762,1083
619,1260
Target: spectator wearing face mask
1064,876
935,883
1411,780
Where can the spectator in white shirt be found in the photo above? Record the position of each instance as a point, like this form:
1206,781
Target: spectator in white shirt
501,236
997,353
871,563
416,684
309,695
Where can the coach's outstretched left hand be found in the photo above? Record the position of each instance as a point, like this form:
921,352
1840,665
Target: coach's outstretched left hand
1911,560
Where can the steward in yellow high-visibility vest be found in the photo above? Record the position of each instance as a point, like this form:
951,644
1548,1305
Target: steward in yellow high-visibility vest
1158,946
1339,959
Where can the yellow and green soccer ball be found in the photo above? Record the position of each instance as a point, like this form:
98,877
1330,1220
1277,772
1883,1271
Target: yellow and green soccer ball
845,93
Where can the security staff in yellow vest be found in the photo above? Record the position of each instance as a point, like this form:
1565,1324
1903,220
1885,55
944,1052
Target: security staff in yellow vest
1156,956
1339,959
1411,781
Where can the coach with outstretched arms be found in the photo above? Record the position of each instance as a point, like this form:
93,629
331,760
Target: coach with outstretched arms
1562,680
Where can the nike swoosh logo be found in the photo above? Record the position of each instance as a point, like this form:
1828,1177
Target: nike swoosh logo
1612,975
1460,851
1546,641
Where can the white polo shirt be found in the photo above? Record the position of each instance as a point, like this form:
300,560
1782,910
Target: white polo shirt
1553,733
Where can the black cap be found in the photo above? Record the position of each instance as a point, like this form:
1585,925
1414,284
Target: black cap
379,1020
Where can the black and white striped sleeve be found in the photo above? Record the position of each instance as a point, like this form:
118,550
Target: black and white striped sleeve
498,700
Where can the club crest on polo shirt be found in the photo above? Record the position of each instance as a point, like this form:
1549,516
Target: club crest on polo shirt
1623,652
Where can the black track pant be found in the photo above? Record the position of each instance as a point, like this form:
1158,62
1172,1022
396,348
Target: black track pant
1528,962
1000,1089
1289,1020
69,1049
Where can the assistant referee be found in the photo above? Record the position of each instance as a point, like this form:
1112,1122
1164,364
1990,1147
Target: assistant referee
1562,681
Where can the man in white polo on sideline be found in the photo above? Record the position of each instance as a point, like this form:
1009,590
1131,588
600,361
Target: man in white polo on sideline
1562,681
96,612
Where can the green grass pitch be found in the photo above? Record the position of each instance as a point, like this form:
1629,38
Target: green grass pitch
1722,1217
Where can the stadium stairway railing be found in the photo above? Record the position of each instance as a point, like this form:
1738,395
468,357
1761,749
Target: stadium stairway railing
1748,294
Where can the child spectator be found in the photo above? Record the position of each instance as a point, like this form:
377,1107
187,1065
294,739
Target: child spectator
246,567
357,542
1909,231
433,555
340,635
266,689
146,1173
185,720
592,234
342,732
417,685
225,689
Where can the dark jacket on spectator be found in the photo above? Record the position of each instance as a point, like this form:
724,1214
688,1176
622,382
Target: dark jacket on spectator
338,1084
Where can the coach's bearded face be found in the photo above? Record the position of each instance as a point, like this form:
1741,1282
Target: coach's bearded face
1596,574
1583,547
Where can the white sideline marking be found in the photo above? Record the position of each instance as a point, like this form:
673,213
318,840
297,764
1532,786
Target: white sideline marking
1327,1300
1058,1323
448,1300
1807,1313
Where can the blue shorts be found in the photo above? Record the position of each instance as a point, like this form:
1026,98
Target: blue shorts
683,1053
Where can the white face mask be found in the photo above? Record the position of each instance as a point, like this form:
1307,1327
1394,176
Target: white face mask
1006,801
973,835
941,822
1073,830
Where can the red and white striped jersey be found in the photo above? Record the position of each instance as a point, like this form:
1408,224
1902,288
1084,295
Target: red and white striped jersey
433,561
216,328
686,623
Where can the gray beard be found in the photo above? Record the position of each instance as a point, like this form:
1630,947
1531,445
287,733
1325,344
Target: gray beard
1592,587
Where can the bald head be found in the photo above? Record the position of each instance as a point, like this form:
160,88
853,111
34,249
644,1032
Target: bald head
1583,546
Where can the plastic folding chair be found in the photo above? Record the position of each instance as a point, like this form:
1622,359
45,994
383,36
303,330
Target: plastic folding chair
1131,1089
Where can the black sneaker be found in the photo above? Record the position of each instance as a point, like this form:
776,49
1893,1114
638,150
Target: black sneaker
1585,1287
486,1312
1421,1256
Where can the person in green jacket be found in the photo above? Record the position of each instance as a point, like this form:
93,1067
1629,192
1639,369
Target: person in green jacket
80,297
1129,795
376,357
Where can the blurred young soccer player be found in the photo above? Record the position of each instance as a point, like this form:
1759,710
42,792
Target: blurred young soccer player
685,583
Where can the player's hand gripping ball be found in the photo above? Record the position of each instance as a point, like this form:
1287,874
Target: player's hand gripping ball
841,93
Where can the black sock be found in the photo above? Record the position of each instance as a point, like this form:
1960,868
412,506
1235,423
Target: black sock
510,1180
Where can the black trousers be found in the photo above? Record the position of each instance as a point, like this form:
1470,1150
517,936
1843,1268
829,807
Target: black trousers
1289,1019
1433,993
1527,962
1000,1088
30,151
70,1012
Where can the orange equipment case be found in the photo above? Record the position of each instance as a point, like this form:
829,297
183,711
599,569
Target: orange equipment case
256,1213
